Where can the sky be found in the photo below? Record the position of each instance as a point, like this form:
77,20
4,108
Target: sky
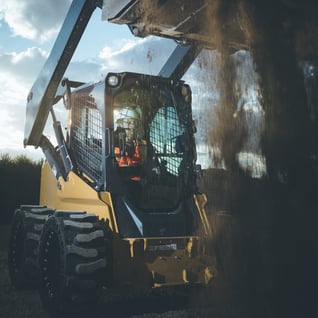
28,29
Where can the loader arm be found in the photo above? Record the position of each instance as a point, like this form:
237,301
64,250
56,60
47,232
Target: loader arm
43,92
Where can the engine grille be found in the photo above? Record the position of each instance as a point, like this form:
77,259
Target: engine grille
86,136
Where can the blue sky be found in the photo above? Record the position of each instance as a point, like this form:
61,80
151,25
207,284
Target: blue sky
28,29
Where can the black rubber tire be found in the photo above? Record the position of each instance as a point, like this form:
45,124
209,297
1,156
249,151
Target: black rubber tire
26,228
74,260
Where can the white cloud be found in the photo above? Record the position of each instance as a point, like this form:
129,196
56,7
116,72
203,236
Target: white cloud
33,19
125,46
18,71
137,55
23,66
84,71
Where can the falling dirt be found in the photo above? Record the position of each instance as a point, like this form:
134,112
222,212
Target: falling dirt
264,228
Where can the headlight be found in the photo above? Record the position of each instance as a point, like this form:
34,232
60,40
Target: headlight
186,93
113,80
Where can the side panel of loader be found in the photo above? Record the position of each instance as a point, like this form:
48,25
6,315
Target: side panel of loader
75,194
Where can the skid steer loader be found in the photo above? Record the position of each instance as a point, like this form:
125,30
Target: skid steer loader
119,203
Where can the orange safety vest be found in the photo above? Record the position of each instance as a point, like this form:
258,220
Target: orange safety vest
137,159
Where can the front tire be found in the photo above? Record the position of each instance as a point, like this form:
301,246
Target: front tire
74,261
26,228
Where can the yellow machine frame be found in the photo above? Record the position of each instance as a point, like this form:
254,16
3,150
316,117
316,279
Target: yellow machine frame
137,262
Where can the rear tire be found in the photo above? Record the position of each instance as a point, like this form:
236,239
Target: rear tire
25,235
74,261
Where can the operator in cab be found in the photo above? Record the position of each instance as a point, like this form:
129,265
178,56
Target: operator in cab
130,147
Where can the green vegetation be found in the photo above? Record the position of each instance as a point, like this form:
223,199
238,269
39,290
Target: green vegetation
20,184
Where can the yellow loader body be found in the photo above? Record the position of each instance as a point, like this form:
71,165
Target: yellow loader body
137,262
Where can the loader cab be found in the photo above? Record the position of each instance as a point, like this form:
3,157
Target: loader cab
132,135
